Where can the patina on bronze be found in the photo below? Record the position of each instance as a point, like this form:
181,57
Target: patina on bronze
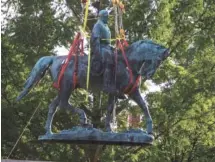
143,56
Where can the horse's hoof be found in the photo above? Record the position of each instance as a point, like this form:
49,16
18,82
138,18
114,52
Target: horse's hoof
109,130
86,125
121,96
49,133
151,133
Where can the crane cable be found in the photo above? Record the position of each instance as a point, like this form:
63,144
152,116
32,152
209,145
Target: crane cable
89,50
118,34
24,129
20,136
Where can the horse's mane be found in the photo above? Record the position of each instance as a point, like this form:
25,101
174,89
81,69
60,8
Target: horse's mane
133,46
137,44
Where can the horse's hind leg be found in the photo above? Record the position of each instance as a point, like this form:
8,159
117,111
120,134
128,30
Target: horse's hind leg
52,110
65,93
110,107
80,112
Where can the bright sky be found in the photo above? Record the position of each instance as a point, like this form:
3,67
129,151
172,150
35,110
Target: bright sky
60,50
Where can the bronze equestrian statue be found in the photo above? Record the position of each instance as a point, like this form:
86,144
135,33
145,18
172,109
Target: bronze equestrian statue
143,56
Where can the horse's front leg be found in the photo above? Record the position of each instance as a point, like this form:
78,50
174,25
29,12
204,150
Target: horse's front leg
136,96
65,92
110,107
52,110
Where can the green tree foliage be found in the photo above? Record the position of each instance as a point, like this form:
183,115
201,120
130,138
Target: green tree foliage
183,111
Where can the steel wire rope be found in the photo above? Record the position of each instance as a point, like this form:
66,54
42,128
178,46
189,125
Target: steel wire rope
24,129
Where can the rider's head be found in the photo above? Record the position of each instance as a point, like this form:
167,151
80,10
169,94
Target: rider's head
103,16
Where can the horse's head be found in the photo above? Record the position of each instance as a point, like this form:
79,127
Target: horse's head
149,67
148,56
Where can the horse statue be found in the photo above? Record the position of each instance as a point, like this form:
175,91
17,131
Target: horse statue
143,57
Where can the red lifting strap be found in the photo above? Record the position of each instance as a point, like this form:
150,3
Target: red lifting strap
120,46
84,1
126,90
135,85
73,50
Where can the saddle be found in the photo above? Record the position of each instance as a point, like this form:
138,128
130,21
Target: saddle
97,66
98,63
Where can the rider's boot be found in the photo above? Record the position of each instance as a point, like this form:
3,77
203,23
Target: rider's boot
108,87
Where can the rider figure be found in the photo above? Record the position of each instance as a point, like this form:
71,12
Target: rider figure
101,48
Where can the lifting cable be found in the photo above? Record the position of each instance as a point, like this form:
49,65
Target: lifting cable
20,136
89,50
24,129
119,35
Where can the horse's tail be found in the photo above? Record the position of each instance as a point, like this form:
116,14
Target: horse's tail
36,74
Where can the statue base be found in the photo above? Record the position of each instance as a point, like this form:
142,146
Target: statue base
80,135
